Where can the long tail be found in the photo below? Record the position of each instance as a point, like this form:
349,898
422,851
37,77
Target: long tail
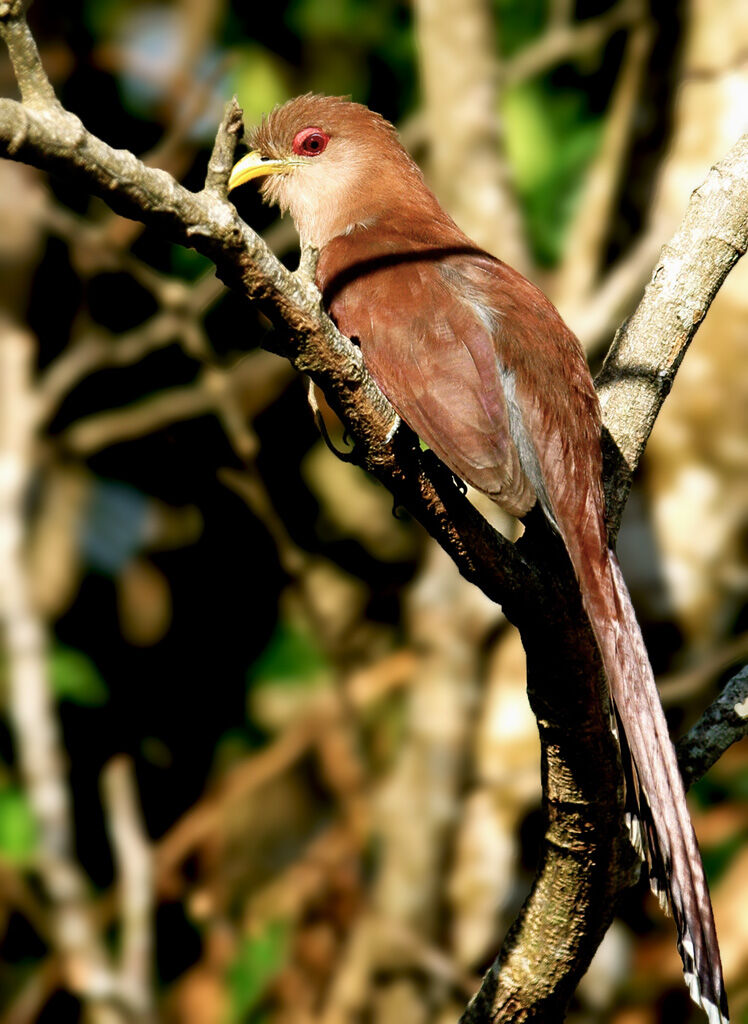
660,824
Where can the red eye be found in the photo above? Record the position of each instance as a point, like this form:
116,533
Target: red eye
310,142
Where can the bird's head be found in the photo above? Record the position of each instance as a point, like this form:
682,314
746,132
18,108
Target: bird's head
330,162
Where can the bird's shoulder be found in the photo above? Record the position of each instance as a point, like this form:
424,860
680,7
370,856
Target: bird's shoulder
376,249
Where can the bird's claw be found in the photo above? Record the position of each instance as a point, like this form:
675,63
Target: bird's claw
344,456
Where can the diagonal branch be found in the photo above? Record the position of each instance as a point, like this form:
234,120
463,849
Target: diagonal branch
723,723
586,237
565,41
649,347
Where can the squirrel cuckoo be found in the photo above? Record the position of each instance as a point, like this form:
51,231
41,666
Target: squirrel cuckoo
479,364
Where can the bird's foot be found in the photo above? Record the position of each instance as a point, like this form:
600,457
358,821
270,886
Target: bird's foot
350,455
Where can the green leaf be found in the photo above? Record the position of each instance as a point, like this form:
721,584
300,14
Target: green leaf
718,858
102,16
188,264
292,657
75,678
259,958
357,21
519,23
259,80
551,137
17,826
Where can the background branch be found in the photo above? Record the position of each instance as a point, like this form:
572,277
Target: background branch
723,723
39,750
466,155
564,41
132,855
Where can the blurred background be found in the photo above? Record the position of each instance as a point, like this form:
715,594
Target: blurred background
264,755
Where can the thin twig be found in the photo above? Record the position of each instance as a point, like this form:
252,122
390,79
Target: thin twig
584,249
133,863
27,1004
677,687
39,749
723,723
564,41
615,296
36,89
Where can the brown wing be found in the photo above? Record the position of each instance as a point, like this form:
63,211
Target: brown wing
430,350
553,404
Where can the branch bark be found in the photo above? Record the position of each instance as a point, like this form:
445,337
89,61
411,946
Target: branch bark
648,349
133,860
723,723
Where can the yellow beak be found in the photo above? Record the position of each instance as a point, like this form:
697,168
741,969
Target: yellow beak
254,165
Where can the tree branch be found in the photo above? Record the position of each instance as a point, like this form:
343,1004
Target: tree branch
133,860
466,154
37,741
648,349
36,89
565,41
587,234
723,723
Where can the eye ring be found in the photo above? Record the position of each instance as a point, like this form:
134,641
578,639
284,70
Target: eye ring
310,142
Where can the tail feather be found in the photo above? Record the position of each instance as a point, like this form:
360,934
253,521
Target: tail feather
659,818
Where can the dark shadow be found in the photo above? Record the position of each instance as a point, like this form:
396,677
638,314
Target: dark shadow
393,259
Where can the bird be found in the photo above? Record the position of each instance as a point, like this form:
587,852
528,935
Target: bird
477,361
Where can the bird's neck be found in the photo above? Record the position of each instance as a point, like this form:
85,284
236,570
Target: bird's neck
422,221
365,199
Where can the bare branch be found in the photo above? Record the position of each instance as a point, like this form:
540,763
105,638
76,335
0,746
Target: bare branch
588,233
36,89
465,147
99,349
560,13
580,870
678,687
259,373
648,349
200,220
30,1001
565,41
145,417
133,862
222,157
723,723
41,763
95,251
595,321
